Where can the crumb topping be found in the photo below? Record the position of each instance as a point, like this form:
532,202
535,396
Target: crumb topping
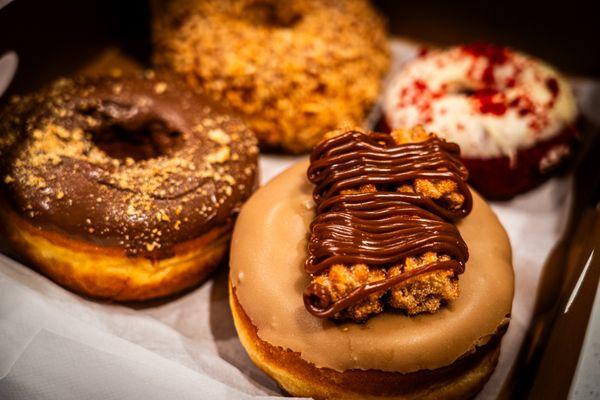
294,69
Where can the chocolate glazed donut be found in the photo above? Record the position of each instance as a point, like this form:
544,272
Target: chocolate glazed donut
122,188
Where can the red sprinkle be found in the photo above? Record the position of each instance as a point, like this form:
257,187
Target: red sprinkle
423,51
420,85
496,55
490,101
526,106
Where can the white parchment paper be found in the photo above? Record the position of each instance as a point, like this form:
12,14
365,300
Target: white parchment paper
57,345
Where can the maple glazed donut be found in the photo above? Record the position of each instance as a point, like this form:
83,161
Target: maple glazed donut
513,116
122,188
389,279
293,69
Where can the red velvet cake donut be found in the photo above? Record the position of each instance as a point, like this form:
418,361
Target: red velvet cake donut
512,115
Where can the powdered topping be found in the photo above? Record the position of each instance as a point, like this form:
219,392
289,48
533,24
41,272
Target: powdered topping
489,99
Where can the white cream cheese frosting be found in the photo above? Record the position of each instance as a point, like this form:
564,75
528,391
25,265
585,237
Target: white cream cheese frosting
491,100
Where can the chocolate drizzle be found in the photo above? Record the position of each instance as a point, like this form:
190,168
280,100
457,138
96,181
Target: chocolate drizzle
380,228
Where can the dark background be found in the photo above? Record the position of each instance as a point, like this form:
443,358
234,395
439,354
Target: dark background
55,38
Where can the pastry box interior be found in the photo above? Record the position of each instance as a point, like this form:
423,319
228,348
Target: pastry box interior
327,199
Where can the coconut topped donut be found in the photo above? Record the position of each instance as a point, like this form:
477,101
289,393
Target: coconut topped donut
294,69
140,163
491,100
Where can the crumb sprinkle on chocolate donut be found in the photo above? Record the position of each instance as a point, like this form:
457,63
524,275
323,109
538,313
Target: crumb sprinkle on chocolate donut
293,69
139,162
382,234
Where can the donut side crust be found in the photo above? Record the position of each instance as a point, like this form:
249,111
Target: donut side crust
107,272
462,379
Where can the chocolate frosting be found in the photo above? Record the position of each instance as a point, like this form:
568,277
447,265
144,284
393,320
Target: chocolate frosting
140,162
384,227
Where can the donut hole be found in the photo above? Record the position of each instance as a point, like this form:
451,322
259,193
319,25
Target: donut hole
470,90
466,91
271,14
151,139
461,88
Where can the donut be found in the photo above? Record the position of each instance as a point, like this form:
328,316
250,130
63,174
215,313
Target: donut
381,337
125,188
293,69
513,116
